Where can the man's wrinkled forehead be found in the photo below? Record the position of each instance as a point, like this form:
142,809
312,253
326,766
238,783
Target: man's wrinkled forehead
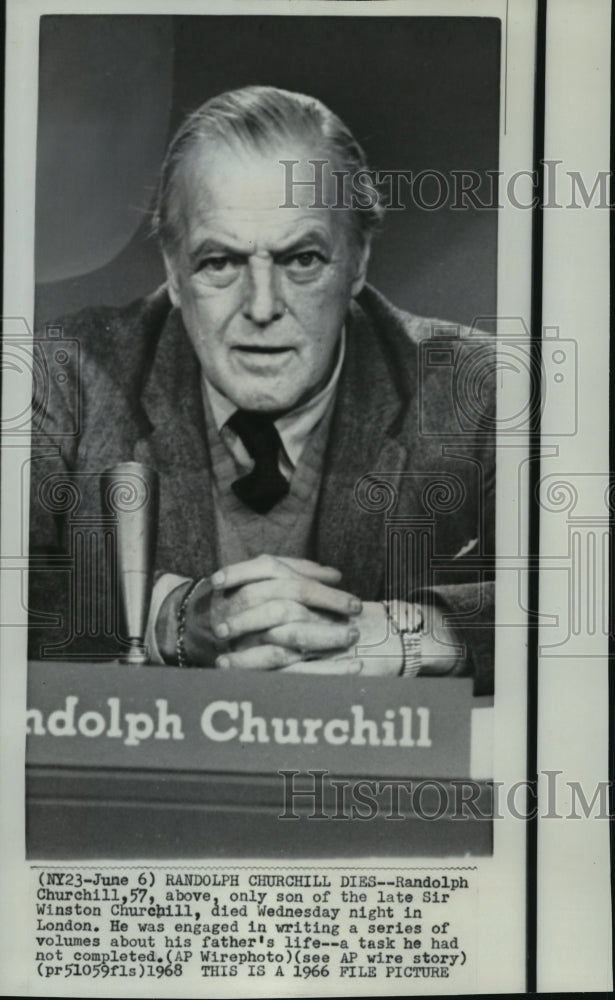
219,179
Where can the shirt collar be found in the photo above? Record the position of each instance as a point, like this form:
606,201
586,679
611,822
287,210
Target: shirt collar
293,427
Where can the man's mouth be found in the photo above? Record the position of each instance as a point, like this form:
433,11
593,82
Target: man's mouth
263,358
249,349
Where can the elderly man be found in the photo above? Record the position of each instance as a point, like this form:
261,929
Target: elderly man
264,383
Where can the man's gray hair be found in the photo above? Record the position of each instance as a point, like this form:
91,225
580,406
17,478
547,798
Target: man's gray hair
257,117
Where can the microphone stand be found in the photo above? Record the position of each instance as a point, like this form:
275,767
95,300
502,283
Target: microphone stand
130,496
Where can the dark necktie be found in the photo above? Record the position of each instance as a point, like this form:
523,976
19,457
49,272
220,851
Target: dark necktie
265,484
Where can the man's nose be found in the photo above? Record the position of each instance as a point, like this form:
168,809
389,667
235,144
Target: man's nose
262,302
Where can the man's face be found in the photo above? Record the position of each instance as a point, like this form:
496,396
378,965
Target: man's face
263,290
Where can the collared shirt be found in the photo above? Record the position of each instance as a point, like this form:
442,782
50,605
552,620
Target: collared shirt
293,427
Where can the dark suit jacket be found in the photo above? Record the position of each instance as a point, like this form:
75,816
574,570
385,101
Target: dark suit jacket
408,481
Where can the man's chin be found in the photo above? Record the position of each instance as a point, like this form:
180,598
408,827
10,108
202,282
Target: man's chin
264,403
265,395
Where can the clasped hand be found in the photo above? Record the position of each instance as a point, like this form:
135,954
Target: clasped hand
272,613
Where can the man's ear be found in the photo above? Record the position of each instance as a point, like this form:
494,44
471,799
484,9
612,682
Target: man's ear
362,260
170,266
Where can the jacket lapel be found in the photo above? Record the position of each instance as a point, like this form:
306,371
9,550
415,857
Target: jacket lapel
365,444
176,446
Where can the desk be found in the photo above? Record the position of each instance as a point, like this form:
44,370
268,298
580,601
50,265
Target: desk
157,762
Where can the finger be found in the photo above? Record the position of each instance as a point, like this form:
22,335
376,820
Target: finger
342,666
266,657
264,616
310,593
265,567
307,567
313,637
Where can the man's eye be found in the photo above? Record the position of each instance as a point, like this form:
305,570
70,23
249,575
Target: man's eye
304,261
217,265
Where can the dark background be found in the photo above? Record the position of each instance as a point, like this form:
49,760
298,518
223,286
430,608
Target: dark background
418,93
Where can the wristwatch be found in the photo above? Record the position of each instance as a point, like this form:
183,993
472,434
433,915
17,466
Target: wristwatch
411,641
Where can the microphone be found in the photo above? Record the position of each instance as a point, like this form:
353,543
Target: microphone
130,498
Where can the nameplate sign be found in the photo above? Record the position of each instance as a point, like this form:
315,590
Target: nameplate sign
163,718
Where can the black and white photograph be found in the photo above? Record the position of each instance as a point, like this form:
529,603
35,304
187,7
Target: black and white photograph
249,456
278,473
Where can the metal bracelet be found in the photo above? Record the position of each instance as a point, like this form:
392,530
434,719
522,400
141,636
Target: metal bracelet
182,611
410,641
411,645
